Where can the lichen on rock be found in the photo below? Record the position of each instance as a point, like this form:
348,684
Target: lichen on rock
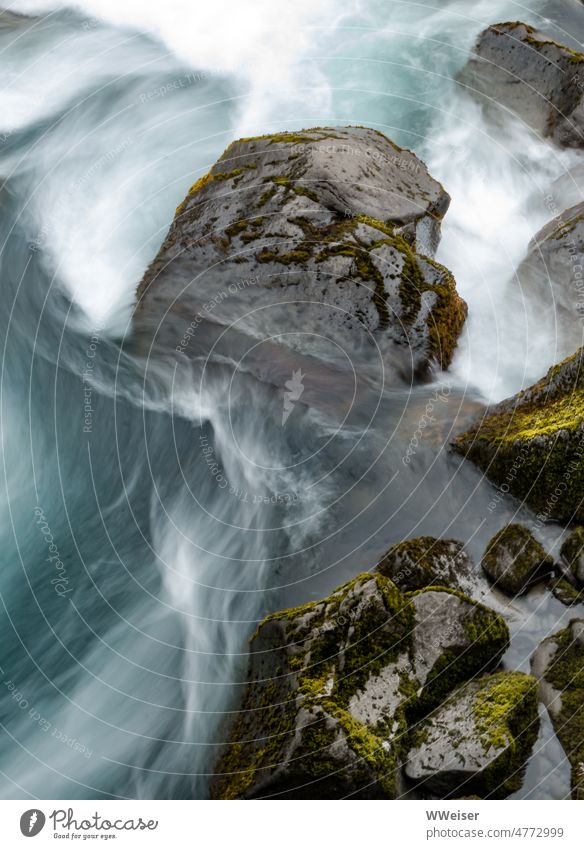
337,226
514,560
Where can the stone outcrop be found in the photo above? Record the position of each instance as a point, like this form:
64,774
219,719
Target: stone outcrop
334,230
533,443
514,560
334,687
558,663
516,67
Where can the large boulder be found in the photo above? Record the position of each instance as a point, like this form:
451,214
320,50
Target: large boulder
533,443
425,562
478,741
521,69
334,685
558,663
553,275
332,229
514,560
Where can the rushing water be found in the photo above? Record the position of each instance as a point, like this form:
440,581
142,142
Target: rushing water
151,515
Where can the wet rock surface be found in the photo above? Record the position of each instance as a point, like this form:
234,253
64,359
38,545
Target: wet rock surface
335,688
518,68
332,230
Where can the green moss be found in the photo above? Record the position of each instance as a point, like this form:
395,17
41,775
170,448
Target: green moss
538,434
447,318
370,748
246,756
196,187
297,255
268,195
247,230
221,176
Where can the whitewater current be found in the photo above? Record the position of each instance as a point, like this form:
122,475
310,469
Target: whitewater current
151,515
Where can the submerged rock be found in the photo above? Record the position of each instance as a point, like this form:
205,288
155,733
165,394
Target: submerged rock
515,560
552,273
533,443
333,228
558,663
478,741
521,69
425,562
333,685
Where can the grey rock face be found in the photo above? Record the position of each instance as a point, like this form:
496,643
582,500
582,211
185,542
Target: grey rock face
477,742
332,686
328,230
521,69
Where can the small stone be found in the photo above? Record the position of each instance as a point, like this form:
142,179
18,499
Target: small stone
426,562
514,560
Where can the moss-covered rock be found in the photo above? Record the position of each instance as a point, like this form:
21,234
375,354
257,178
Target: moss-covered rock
425,562
533,443
514,560
515,67
558,663
572,552
479,739
334,685
335,226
